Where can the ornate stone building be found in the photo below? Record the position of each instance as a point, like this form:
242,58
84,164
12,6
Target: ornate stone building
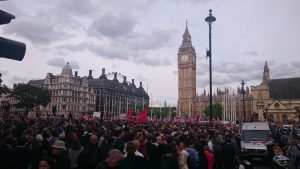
88,94
114,97
277,98
68,93
192,104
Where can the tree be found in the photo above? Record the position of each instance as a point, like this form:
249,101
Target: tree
4,89
29,96
142,106
216,110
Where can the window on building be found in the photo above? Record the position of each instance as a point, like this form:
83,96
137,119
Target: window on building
284,119
276,105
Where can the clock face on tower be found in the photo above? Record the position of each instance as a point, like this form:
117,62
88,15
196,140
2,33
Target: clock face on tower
184,58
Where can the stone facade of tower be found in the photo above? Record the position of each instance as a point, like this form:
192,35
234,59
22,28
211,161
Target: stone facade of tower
192,104
186,74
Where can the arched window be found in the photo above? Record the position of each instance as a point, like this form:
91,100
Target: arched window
284,119
276,105
271,117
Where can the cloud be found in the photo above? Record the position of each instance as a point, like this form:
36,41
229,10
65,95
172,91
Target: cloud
128,47
17,79
60,63
250,53
3,72
40,30
283,70
77,7
152,61
112,25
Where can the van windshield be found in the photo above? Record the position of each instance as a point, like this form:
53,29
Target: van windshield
255,135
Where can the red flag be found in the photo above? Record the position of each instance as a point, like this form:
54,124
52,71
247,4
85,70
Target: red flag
129,115
142,116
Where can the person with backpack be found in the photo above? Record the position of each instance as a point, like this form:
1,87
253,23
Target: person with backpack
294,151
193,159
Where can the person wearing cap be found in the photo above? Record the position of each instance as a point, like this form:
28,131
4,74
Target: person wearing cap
40,148
61,160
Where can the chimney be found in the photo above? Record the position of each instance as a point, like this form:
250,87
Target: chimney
103,71
124,80
132,81
103,74
90,75
141,85
115,77
76,73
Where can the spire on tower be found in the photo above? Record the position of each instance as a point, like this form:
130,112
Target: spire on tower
186,32
266,74
186,43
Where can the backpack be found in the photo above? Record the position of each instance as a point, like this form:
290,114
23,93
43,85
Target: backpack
192,163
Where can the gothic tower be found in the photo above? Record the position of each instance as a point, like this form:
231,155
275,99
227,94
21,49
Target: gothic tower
186,74
266,74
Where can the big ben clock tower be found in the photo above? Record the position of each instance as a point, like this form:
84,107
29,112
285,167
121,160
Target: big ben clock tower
186,74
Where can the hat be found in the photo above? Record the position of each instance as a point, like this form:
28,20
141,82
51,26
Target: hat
59,144
39,137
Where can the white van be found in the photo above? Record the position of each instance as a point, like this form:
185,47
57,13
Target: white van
253,138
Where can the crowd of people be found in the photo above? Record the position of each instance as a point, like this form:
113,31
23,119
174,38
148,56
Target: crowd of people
77,143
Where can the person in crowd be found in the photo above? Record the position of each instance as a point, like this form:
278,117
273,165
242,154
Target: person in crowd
120,141
230,151
294,152
61,160
112,160
89,157
183,156
46,162
151,149
218,152
210,159
74,151
39,148
142,145
132,161
270,149
6,151
21,154
160,150
106,146
193,161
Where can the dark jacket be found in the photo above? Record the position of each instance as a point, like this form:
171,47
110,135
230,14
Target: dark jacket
89,157
6,157
61,161
133,162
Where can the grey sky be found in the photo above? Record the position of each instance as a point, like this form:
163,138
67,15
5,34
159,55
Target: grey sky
140,39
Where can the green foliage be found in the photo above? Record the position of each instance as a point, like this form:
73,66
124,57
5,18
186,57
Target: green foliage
216,111
29,96
159,112
141,106
184,115
4,89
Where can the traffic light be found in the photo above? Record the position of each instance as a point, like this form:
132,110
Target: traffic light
10,49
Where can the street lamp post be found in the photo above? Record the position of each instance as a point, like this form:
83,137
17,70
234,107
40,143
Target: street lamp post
210,19
243,93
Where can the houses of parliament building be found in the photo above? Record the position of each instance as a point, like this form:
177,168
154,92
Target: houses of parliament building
278,99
